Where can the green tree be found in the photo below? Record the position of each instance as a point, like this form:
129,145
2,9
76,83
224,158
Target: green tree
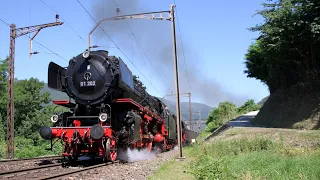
2,133
287,52
3,86
248,106
224,112
29,105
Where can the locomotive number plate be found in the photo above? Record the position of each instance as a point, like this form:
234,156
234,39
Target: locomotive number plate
87,83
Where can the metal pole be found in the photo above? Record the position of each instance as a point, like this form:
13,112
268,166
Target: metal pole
10,105
199,120
190,113
15,33
176,79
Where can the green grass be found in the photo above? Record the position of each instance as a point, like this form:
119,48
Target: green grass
249,157
25,148
175,169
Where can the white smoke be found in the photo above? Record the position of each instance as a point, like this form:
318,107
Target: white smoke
175,147
136,155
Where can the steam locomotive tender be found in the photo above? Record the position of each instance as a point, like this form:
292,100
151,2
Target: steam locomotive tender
111,109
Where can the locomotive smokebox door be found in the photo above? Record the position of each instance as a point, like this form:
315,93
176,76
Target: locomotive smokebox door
88,78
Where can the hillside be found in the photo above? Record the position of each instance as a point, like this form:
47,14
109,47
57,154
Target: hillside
291,109
261,103
196,107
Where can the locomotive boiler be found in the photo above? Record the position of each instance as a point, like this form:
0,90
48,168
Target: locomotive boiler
111,109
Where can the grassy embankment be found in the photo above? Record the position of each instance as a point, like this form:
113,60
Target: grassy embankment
249,153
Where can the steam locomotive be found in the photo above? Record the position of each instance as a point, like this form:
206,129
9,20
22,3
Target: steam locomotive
111,110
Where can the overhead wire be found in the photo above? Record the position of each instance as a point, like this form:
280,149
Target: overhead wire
118,47
64,21
37,42
140,45
5,22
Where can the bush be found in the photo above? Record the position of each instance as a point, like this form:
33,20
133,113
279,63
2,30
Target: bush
2,150
227,111
2,133
25,148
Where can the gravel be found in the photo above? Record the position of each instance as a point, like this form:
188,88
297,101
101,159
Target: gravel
139,169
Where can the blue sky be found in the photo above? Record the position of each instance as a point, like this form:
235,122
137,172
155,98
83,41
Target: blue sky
214,35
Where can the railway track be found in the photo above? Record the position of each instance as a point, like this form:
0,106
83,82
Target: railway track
28,159
52,171
72,173
21,164
21,172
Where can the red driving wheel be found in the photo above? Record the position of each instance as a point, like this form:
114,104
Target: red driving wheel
110,150
113,150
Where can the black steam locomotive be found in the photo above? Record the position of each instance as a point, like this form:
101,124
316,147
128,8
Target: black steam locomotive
112,109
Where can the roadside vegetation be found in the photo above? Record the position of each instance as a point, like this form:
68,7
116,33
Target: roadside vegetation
249,153
32,110
227,111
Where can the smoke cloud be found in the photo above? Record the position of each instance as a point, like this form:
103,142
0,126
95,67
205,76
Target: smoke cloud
135,155
155,38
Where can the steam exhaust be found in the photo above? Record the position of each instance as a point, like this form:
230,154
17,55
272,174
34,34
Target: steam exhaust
135,155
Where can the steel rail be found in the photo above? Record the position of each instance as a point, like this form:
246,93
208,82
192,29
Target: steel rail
63,174
28,159
13,172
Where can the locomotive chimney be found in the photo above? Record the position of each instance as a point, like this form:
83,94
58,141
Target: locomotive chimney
107,53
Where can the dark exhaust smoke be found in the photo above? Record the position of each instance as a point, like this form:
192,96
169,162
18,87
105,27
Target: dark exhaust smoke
155,38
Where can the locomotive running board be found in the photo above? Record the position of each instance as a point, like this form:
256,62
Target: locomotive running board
141,108
65,103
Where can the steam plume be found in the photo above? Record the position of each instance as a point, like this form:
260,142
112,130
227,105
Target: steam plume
156,39
136,155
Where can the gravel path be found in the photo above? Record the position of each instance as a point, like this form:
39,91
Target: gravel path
137,170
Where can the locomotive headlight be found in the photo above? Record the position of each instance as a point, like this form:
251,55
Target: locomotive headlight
54,118
103,117
86,54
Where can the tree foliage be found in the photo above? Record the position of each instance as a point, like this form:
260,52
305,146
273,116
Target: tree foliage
30,112
248,106
3,86
227,111
287,52
29,104
2,134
